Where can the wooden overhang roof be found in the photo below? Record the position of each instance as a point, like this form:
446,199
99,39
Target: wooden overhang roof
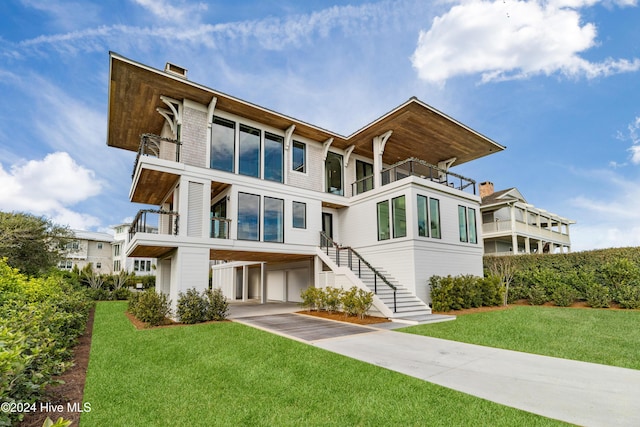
418,129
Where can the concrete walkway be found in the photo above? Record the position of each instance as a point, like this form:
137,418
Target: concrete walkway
581,393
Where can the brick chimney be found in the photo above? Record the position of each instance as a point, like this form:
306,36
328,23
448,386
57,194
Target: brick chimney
486,189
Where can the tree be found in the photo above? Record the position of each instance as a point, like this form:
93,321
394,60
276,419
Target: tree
505,268
30,243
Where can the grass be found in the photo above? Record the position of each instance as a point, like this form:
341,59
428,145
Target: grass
230,374
609,337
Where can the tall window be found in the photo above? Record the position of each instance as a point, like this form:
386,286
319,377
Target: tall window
399,217
423,217
99,245
273,220
462,223
299,157
218,227
473,235
223,137
299,215
333,173
273,157
383,220
434,215
248,216
364,176
249,151
116,250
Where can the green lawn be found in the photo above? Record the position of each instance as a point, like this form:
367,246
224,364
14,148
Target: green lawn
610,337
230,374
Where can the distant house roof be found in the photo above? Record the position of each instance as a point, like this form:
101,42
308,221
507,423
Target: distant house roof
509,195
92,235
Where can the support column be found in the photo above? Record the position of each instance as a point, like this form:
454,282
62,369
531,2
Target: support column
527,242
263,284
245,282
514,235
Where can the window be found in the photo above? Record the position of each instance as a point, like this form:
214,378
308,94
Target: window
98,265
434,214
249,151
273,220
136,265
273,155
473,235
399,217
462,223
116,250
423,217
364,177
383,220
299,215
116,265
248,216
99,247
333,173
223,141
219,229
299,157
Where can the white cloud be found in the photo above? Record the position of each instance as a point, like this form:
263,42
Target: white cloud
505,40
167,11
48,187
66,14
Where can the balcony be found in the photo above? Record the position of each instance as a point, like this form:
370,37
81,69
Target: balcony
419,168
220,228
159,147
154,221
504,227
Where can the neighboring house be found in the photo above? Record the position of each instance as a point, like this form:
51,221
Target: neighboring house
89,247
138,266
509,222
263,196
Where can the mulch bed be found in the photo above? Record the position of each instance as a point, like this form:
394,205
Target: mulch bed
71,391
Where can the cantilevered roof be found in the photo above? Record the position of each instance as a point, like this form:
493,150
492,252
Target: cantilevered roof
418,130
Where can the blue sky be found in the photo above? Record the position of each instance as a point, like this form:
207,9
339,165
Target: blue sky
557,82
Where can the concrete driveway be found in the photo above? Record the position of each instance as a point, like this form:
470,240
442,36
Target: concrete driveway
580,393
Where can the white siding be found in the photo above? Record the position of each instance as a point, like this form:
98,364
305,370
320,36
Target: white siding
195,214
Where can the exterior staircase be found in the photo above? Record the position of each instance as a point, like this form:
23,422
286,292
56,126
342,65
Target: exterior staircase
399,303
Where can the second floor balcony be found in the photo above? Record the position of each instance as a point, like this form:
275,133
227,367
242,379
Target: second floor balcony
159,147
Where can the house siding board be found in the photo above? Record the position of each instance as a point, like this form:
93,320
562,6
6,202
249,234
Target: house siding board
313,179
195,214
193,150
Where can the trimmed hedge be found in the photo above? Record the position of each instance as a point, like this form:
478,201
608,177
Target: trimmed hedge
598,277
40,321
467,291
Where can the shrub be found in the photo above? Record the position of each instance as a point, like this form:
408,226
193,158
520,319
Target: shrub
312,298
357,302
121,294
620,272
150,307
537,295
597,295
628,296
332,298
492,290
217,307
564,295
441,293
191,307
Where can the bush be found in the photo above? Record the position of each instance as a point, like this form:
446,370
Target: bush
597,295
332,298
150,307
442,298
312,298
121,294
491,290
537,295
217,307
357,302
628,296
455,293
191,307
564,295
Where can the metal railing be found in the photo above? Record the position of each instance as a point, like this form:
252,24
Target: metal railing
422,169
357,264
362,185
220,228
157,146
154,221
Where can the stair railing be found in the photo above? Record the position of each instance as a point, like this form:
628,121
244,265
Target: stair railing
326,242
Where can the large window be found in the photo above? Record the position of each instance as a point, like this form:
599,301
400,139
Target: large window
364,176
219,227
399,217
423,216
248,216
383,220
273,220
223,137
249,159
434,214
273,155
473,235
299,215
333,173
462,223
299,157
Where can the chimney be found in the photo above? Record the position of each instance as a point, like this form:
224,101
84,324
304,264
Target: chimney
176,70
486,189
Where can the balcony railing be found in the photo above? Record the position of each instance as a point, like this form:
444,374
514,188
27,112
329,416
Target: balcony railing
155,222
422,169
220,228
157,146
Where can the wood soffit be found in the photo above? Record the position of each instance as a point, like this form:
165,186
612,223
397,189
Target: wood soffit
418,129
